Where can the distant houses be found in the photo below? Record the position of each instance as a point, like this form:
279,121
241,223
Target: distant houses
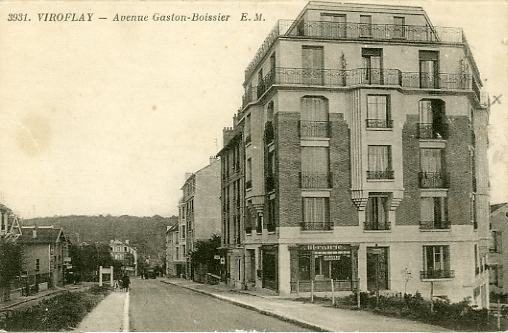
123,252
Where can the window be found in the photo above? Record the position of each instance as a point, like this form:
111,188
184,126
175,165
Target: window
248,137
314,117
376,212
271,215
365,26
270,171
312,60
432,120
248,178
334,25
378,112
496,244
315,166
472,210
429,69
372,66
37,264
379,162
183,231
434,213
436,262
431,166
316,214
399,31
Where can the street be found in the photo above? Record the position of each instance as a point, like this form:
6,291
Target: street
156,306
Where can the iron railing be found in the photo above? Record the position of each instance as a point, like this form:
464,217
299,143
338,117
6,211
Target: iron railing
437,274
355,31
376,225
357,76
380,174
379,123
436,224
324,285
315,180
314,129
434,179
324,225
433,131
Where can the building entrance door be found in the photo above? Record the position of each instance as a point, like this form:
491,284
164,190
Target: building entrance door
377,268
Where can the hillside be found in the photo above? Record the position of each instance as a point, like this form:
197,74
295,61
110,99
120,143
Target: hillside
147,234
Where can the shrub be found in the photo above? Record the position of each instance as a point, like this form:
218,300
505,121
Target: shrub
57,313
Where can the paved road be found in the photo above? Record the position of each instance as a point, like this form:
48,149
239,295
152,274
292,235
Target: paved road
156,306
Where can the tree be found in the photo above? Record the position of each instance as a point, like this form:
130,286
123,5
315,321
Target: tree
87,258
204,253
11,265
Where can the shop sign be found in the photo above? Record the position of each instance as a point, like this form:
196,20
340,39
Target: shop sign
326,248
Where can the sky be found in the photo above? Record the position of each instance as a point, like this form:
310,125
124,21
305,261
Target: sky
106,117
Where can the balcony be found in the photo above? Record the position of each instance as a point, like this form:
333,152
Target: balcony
431,131
379,123
435,225
434,179
317,225
355,31
314,180
437,274
313,129
380,175
376,225
355,77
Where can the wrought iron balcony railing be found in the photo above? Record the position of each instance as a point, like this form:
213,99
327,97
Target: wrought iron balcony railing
376,225
326,225
380,174
434,225
357,76
355,31
379,123
434,179
433,131
437,274
314,129
309,180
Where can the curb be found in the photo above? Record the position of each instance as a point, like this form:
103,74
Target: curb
301,323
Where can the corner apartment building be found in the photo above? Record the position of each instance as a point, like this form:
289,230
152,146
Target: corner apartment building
199,213
364,158
498,258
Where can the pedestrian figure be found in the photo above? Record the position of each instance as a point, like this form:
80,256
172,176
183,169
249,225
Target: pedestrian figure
126,281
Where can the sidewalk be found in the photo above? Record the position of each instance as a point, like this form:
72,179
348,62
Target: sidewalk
312,316
110,315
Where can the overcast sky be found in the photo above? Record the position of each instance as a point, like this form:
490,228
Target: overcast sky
106,117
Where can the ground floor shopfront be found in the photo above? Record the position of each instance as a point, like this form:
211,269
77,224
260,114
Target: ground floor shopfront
442,270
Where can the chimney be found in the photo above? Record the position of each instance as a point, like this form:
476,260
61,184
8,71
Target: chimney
127,241
34,232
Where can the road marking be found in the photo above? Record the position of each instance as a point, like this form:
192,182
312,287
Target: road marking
125,324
